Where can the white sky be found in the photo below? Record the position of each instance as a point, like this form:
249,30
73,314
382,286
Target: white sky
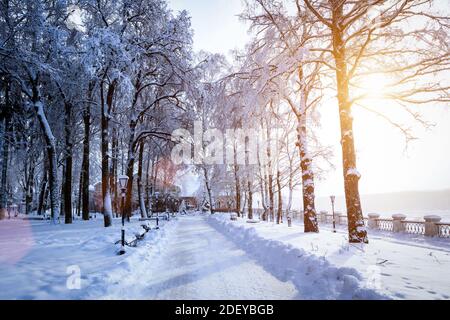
382,161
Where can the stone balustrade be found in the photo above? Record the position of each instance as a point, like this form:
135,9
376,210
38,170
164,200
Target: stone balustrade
398,223
430,227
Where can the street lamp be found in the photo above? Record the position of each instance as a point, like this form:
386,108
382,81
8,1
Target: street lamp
332,208
123,182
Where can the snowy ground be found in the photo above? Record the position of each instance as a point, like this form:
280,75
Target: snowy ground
200,257
399,266
38,258
197,263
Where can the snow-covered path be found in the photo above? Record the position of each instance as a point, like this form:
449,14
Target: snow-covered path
197,262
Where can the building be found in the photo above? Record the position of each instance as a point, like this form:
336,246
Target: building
160,191
224,204
190,202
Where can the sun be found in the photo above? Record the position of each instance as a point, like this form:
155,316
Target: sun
373,86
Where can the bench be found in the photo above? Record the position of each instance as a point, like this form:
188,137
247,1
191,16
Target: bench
137,237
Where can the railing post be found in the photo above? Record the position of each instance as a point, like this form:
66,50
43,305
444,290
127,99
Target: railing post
339,217
372,223
397,224
431,229
323,216
300,215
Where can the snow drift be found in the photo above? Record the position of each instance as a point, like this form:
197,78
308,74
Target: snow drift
315,277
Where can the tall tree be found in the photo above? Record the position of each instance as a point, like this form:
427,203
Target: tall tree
358,39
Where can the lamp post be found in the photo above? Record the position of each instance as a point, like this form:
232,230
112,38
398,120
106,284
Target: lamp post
123,182
332,208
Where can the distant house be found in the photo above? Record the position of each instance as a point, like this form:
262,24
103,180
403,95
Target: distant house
224,204
159,190
190,202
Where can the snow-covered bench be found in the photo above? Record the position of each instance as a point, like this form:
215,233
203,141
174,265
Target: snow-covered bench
45,216
132,242
157,216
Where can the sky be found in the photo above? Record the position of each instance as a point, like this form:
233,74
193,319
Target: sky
382,160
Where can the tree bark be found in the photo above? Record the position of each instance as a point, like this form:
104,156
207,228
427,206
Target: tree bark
208,188
114,168
147,183
4,156
4,149
280,200
106,192
43,188
250,199
356,229
308,189
130,169
262,183
142,207
85,167
51,154
68,164
270,176
79,195
29,181
237,185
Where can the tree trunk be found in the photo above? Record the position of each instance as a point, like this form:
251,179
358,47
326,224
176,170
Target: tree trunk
280,201
5,120
85,167
208,188
79,195
51,154
68,165
356,229
147,184
309,208
250,199
43,188
29,178
270,176
105,116
262,182
308,189
114,165
142,207
4,168
2,160
130,170
291,189
237,185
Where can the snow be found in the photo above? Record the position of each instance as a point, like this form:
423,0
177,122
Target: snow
353,172
211,257
36,256
185,259
313,276
195,262
398,266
